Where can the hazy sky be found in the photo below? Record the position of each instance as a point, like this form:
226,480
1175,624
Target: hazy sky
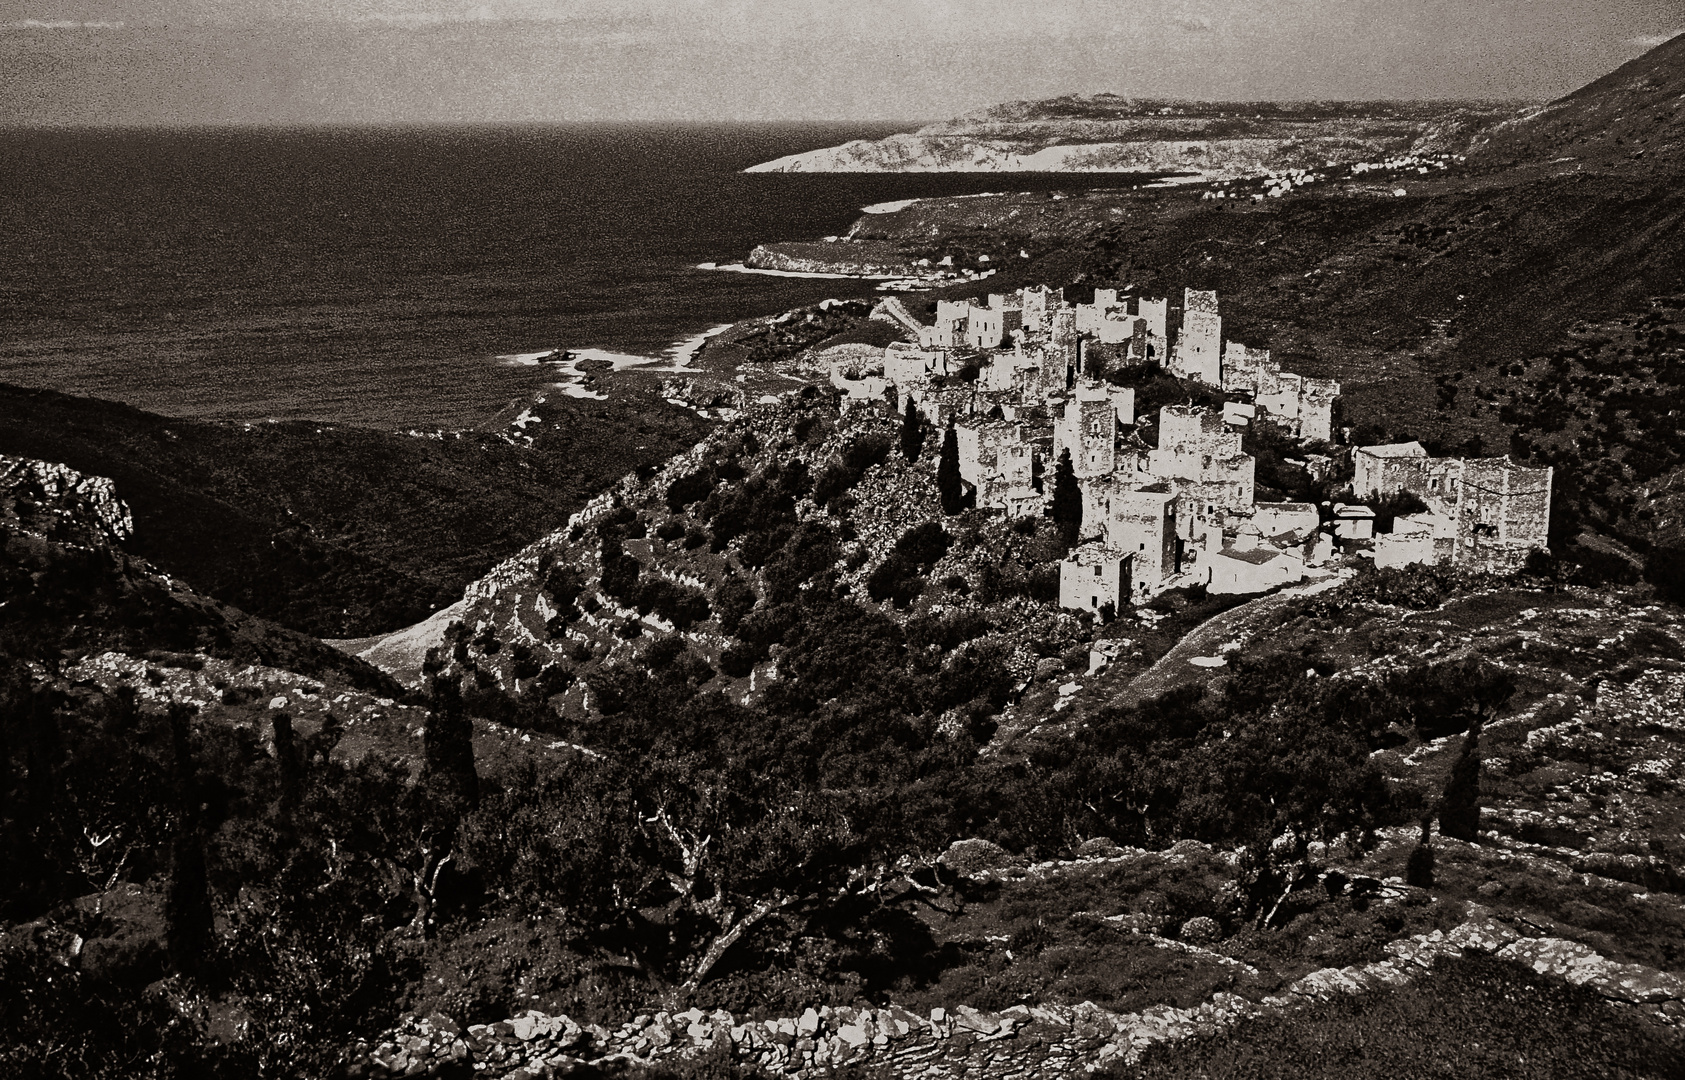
293,61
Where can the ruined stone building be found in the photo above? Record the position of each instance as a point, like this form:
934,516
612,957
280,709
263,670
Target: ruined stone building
1017,372
1140,521
909,367
1151,514
1036,301
1425,537
1088,432
1156,314
949,329
1088,428
1201,457
1011,310
998,461
1394,467
1498,511
942,405
1294,519
1240,569
1198,352
985,328
1304,407
1093,576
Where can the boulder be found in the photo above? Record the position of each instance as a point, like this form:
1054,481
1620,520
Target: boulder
1200,930
973,856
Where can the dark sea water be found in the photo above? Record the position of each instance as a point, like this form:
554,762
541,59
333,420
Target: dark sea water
375,276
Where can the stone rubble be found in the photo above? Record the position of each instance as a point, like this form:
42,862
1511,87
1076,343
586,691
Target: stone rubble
948,1044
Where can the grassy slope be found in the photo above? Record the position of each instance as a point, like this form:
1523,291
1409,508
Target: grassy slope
339,531
1491,1019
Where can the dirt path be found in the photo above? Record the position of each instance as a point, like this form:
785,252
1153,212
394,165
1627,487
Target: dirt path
1175,667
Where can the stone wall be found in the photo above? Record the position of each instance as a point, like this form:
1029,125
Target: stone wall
961,1042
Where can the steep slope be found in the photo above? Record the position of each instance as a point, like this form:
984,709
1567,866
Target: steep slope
341,531
1636,113
67,590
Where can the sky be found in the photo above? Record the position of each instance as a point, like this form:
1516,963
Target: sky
128,62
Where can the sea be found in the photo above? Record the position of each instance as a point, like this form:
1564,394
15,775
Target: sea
402,277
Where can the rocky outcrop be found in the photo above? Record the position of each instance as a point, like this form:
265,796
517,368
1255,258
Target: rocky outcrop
55,502
1023,1041
840,257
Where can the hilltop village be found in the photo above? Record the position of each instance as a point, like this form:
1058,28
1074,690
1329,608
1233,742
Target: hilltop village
1169,500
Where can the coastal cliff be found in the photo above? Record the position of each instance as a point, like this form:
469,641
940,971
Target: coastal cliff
1105,133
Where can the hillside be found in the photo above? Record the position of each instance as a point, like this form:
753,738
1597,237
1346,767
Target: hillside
1106,133
67,590
341,531
1635,114
737,754
719,625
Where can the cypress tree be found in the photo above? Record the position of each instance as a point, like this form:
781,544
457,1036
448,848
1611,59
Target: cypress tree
948,483
1418,868
288,762
1459,810
188,933
449,789
912,432
447,772
1067,500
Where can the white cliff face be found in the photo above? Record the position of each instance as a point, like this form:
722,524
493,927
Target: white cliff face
1113,135
971,153
59,503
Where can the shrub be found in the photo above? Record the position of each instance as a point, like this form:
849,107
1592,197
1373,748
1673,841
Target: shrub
732,601
948,631
1418,868
762,544
896,579
923,544
678,604
620,577
738,659
865,452
661,652
1665,569
691,487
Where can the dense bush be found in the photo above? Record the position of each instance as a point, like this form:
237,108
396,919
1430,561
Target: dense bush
689,488
733,599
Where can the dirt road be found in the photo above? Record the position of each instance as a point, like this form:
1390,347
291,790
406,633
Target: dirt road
1240,624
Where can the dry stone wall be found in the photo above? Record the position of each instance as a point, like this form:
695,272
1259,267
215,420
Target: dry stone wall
948,1044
